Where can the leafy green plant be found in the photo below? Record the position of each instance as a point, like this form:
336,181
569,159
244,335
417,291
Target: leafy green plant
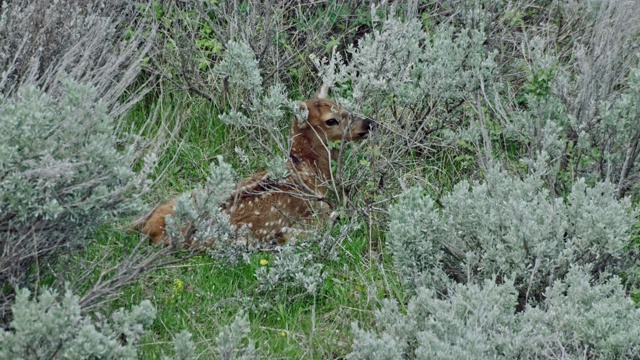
62,175
579,317
52,328
231,338
510,228
291,273
198,220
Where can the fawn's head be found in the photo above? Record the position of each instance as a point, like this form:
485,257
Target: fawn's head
329,121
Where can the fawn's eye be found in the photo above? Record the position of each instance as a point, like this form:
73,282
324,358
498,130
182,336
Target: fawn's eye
332,122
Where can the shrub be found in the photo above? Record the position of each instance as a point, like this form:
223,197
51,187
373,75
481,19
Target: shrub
404,62
62,175
98,44
263,114
67,166
55,329
291,273
199,221
510,228
579,318
231,340
183,348
620,136
193,36
572,106
468,323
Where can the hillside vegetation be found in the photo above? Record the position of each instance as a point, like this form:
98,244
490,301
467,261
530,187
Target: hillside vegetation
493,213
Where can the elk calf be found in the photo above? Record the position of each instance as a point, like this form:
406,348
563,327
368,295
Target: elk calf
268,208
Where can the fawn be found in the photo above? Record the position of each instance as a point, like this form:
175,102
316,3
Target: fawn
269,208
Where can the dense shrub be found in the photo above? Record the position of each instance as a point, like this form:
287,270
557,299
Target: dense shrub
66,166
421,86
510,228
441,89
579,318
53,328
193,37
567,98
401,60
62,175
291,273
600,145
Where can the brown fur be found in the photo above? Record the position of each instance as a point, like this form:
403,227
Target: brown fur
269,208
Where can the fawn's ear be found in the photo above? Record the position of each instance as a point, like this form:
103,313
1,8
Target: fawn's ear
301,114
323,92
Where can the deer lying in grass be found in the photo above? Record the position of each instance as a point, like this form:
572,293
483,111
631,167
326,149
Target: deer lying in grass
268,208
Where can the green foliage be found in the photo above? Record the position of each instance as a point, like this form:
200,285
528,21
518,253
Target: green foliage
289,274
539,83
230,340
578,318
239,68
198,219
63,173
54,328
183,348
509,228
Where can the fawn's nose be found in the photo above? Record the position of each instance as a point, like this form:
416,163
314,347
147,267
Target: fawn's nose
371,124
365,127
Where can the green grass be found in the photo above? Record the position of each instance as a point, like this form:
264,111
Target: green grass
200,138
201,295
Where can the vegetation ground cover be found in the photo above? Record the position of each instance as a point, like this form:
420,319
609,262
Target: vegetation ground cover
497,199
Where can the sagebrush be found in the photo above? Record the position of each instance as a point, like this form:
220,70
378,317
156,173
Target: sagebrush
53,327
510,228
579,318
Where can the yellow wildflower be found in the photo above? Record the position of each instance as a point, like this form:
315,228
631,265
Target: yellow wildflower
178,285
264,262
176,290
